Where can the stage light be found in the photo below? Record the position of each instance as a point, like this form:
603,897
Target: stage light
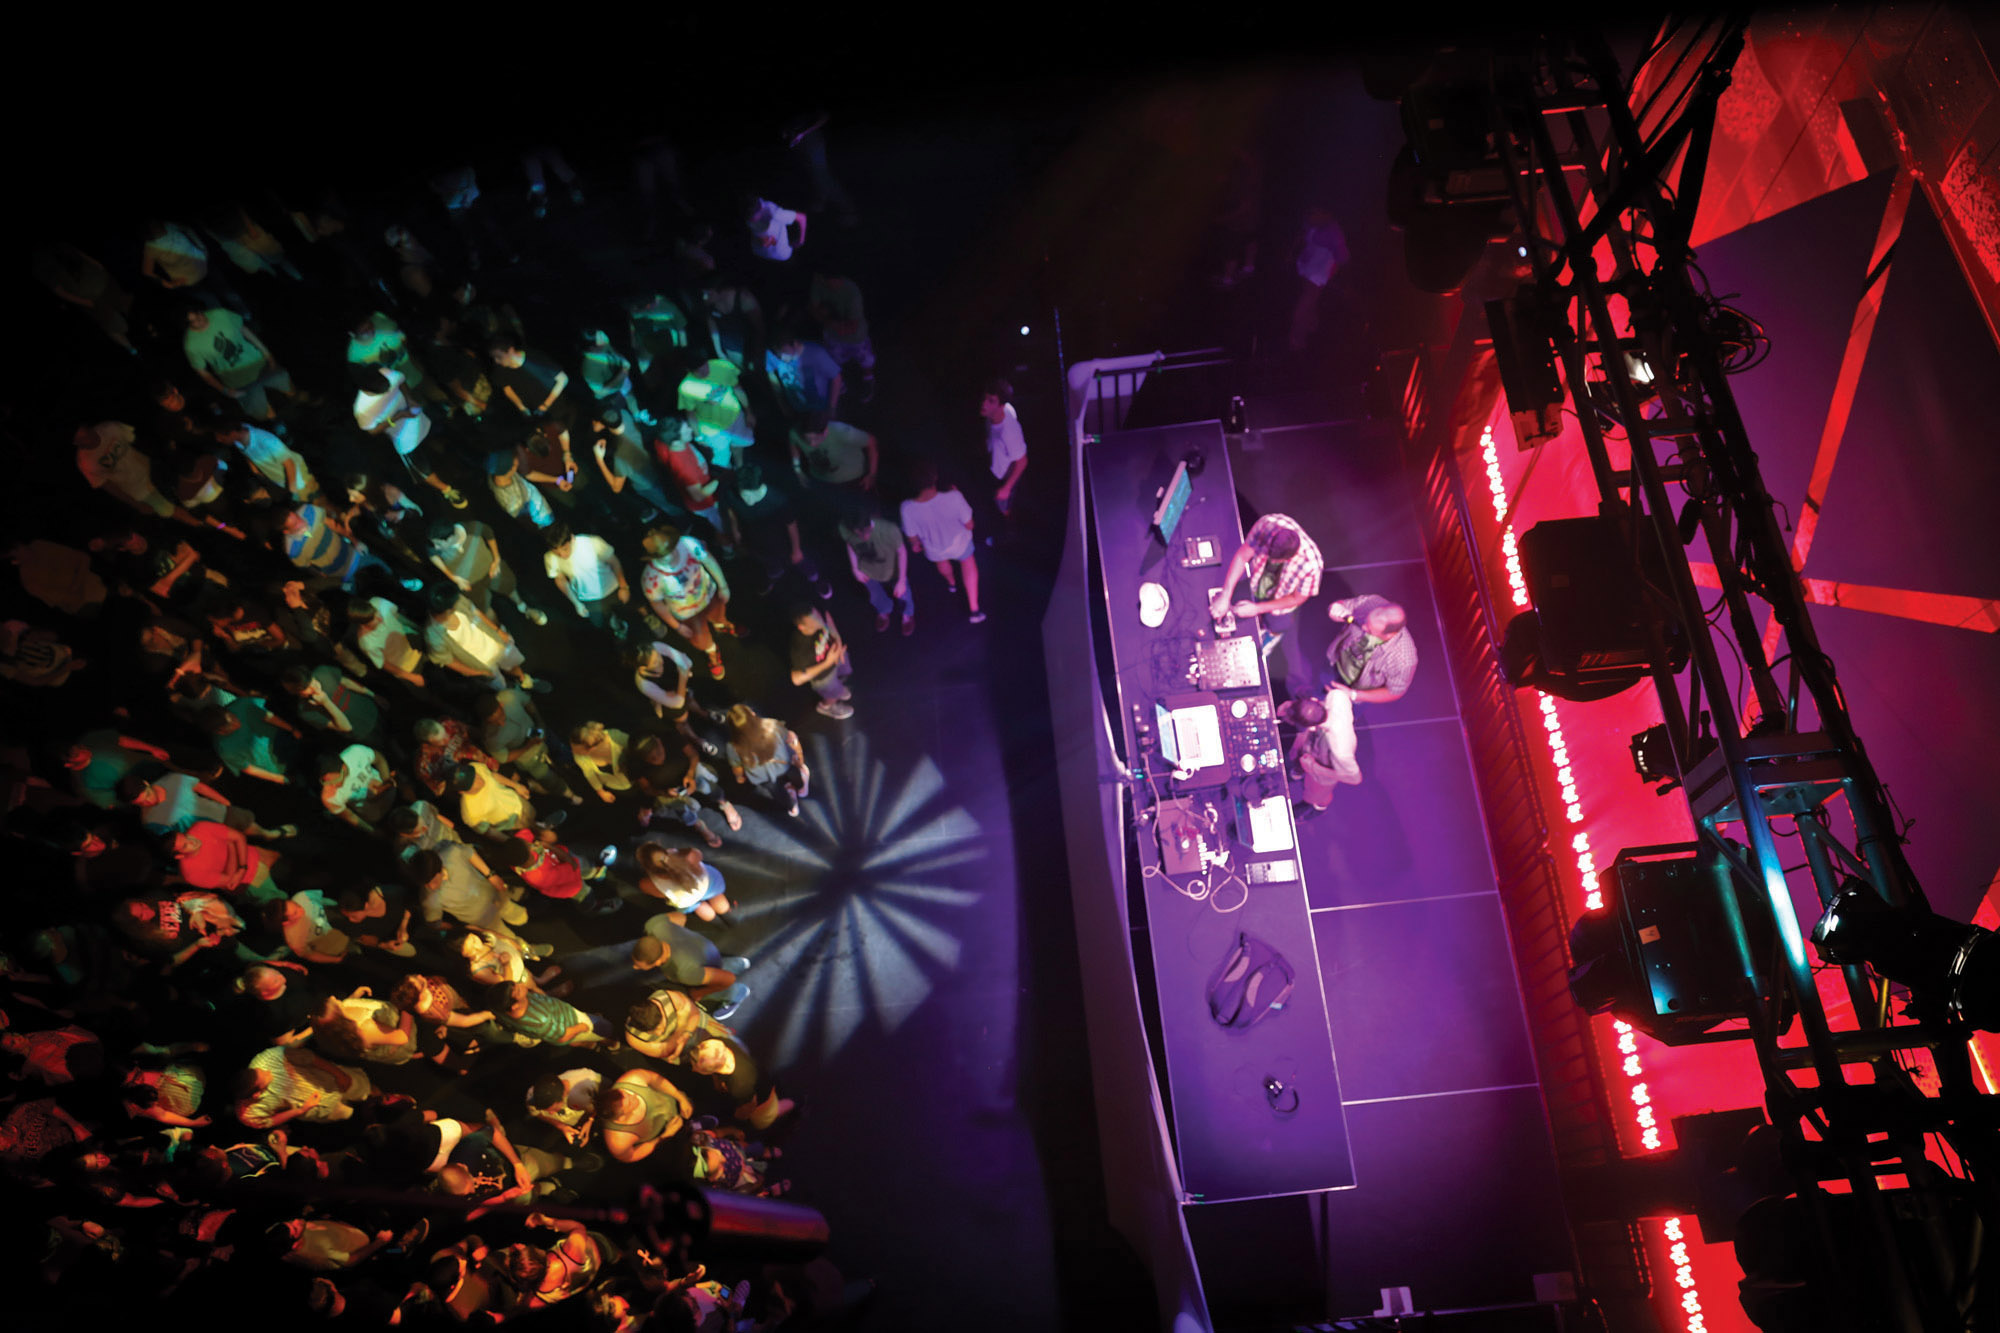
1024,330
1653,758
1951,969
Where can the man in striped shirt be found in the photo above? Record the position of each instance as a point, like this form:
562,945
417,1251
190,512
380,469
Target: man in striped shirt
1283,567
313,543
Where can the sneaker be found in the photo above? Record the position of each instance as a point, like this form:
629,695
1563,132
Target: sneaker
535,614
725,1002
978,617
455,497
587,1162
881,623
553,819
835,708
736,963
909,625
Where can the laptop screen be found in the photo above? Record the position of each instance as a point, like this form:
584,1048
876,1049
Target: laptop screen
1163,723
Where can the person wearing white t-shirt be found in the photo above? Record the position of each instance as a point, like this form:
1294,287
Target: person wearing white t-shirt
770,228
274,460
938,524
1005,445
463,639
382,408
586,570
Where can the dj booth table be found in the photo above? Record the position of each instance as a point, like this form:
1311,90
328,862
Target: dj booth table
1237,1136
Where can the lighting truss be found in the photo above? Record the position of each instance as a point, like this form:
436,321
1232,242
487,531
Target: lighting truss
1605,214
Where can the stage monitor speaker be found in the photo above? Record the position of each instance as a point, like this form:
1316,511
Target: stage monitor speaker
1596,614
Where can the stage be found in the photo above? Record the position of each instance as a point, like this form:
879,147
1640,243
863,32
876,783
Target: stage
1416,1154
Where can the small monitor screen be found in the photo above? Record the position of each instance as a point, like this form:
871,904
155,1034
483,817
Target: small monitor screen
1173,503
1163,720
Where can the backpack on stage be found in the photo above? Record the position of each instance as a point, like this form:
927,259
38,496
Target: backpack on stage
1252,982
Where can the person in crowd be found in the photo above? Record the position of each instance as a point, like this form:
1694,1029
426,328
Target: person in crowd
328,700
735,322
274,460
832,453
711,397
728,1064
513,734
698,486
835,301
109,457
387,640
442,745
357,786
1006,447
469,642
252,741
657,328
680,878
554,871
687,590
229,357
806,378
764,523
638,1111
587,571
679,783
316,540
383,407
517,496
494,805
541,1018
764,754
938,523
598,751
819,661
691,963
880,563
775,233
620,453
174,802
535,385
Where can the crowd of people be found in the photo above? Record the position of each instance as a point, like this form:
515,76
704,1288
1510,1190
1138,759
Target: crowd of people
303,824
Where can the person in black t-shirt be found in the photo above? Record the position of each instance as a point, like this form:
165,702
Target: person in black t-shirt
535,385
764,522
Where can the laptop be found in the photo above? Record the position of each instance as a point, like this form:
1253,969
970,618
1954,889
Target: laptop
1190,730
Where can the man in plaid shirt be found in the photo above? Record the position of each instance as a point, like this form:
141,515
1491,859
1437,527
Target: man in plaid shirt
1283,567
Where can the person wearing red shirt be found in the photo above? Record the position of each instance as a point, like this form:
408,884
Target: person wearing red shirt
554,871
216,856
